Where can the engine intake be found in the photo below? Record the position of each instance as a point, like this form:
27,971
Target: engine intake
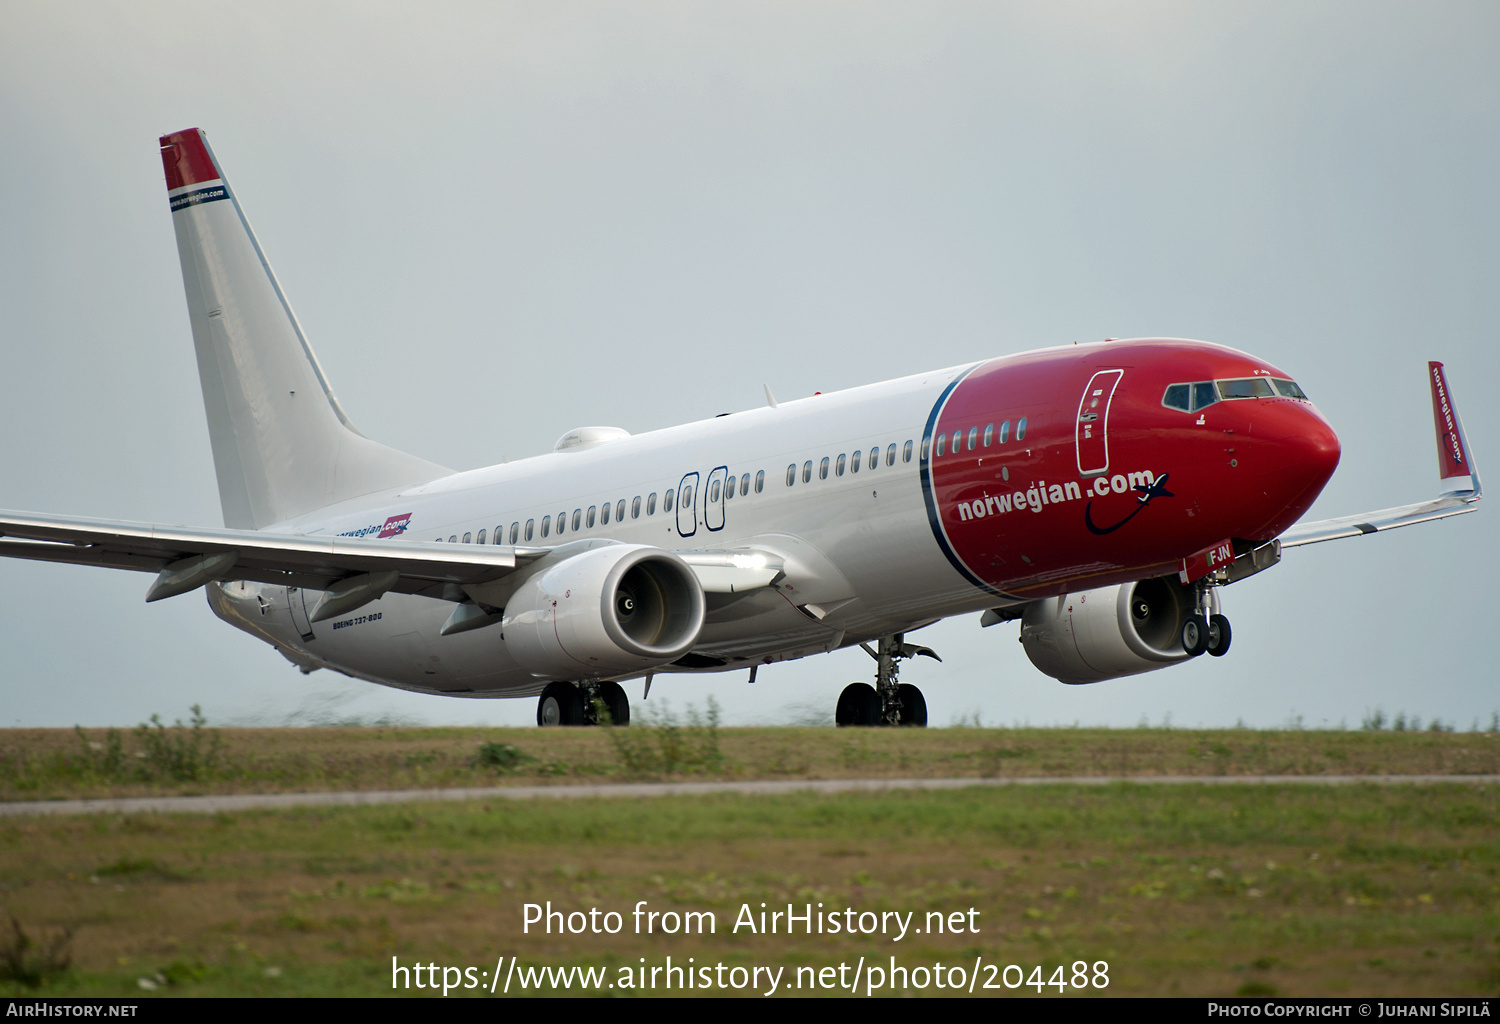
1107,633
604,612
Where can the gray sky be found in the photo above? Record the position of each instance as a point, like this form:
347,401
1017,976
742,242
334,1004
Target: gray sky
500,221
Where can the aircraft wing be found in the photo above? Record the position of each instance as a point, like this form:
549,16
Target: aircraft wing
1460,486
187,555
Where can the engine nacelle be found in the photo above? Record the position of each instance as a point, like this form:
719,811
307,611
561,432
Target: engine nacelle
605,612
1108,633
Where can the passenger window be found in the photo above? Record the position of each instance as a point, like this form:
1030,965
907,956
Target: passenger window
875,457
854,461
989,434
604,511
791,474
1021,429
957,438
635,506
651,504
562,523
666,500
807,471
515,531
942,445
713,491
453,539
577,516
479,539
890,454
838,469
529,523
546,525
1005,431
973,438
1204,395
590,519
745,485
823,469
620,510
1178,396
760,481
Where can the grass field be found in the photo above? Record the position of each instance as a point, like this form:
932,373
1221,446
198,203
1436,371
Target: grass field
152,760
1361,890
1297,890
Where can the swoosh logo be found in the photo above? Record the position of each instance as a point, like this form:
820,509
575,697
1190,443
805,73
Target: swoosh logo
1156,489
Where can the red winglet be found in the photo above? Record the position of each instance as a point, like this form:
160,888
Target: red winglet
185,157
1453,460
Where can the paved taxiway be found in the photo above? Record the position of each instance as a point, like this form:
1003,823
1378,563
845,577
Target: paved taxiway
274,801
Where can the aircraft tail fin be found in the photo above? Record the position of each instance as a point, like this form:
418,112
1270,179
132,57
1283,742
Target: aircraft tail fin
282,444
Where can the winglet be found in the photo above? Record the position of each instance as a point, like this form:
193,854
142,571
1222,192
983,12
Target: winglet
1455,462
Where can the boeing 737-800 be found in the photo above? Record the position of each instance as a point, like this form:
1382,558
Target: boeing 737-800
1101,494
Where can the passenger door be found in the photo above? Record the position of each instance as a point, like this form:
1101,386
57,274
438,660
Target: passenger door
1091,436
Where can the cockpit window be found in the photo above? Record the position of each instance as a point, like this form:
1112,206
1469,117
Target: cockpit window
1190,397
1250,387
1289,388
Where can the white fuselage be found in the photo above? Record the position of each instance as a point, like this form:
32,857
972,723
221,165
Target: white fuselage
855,545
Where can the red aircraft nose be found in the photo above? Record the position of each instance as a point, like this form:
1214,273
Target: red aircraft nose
1314,452
1304,453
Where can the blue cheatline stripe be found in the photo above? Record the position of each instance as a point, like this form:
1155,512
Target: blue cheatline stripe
925,472
198,196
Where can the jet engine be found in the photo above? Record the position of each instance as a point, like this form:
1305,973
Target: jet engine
605,612
1110,632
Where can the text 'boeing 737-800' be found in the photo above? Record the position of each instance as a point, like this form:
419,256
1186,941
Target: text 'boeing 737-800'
1101,494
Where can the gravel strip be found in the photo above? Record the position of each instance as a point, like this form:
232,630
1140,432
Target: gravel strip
274,801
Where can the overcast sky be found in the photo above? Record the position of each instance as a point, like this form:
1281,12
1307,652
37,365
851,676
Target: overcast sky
501,221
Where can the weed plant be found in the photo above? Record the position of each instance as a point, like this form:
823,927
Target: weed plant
178,754
32,963
660,746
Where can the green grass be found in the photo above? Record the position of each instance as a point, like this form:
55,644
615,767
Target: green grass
1296,890
158,760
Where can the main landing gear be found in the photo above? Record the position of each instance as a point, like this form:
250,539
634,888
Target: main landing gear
887,702
594,703
1206,630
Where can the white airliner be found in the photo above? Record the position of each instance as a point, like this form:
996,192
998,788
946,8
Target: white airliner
1101,494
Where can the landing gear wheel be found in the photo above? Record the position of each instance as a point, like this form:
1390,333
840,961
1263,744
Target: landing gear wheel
1219,635
859,704
913,706
1195,635
560,704
615,702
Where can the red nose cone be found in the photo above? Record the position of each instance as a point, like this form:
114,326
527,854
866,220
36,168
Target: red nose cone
1316,453
1305,452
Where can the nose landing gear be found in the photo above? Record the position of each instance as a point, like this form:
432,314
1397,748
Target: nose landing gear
1206,630
887,702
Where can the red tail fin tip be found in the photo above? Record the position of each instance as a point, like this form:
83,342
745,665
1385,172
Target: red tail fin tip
185,158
